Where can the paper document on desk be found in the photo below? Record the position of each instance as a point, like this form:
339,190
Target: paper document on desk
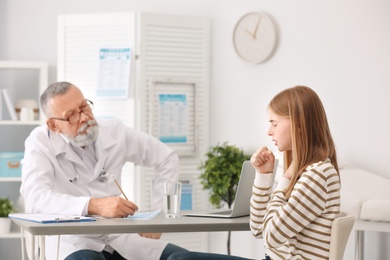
50,218
144,215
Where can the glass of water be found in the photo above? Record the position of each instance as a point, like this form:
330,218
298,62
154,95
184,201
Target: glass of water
172,198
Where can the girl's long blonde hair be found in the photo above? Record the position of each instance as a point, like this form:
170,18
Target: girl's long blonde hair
311,137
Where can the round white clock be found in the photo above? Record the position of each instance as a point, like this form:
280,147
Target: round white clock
254,37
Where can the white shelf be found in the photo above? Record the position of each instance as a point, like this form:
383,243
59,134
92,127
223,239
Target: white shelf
5,64
10,179
11,122
43,71
13,234
16,131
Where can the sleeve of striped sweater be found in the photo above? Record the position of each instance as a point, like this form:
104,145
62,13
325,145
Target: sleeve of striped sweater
276,219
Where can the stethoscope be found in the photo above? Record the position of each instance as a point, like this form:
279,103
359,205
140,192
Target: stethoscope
103,176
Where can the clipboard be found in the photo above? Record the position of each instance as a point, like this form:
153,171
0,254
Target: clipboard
50,218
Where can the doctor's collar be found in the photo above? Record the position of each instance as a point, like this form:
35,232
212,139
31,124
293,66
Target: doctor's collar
66,139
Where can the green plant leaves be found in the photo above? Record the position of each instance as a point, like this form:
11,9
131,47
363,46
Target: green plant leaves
6,207
221,173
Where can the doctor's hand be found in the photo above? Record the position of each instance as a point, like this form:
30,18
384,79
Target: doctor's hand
111,207
263,160
151,235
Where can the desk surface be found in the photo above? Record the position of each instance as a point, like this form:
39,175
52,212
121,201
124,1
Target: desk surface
159,224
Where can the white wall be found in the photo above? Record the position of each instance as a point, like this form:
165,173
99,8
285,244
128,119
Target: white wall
339,48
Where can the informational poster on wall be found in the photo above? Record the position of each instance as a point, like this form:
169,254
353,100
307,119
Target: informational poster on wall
114,72
173,118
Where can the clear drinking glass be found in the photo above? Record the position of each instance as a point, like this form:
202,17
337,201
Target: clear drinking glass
172,199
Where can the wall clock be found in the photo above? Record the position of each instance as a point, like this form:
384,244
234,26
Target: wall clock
254,37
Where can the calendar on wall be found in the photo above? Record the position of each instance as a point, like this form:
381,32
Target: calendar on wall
173,114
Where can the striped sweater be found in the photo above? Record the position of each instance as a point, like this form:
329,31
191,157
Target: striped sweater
297,228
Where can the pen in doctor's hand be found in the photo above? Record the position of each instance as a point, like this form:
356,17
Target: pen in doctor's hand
117,184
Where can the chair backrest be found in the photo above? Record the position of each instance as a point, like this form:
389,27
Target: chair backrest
341,229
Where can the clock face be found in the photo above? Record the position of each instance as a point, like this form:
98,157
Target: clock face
254,37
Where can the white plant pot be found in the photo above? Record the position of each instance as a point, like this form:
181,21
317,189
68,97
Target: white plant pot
5,225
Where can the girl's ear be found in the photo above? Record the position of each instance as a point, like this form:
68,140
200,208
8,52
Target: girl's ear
52,125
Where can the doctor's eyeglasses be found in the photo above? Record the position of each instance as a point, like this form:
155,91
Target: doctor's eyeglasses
86,109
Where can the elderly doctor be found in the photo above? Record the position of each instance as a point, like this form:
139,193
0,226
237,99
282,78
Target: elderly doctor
66,168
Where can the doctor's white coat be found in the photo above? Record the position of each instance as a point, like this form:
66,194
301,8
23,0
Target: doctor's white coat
50,163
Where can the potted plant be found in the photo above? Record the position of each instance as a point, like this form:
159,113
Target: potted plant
6,207
221,173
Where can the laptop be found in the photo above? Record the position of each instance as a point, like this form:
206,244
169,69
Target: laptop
241,205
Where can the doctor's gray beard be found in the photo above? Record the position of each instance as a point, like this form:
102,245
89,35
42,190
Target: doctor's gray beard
87,138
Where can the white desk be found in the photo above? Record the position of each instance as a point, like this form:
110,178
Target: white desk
159,224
